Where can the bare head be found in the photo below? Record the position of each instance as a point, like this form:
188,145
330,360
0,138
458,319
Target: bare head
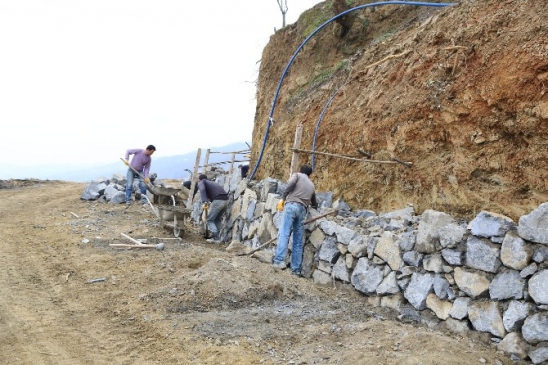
305,169
150,149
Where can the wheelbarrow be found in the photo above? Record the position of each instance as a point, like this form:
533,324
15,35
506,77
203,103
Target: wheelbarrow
174,217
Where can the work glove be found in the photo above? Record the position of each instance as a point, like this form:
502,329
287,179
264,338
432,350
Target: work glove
281,205
127,163
205,206
147,180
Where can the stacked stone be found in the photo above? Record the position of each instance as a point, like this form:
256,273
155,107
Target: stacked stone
107,190
489,274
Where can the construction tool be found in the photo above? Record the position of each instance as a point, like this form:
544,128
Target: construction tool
251,251
204,219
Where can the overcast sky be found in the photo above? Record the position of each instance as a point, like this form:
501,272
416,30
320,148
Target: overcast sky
81,81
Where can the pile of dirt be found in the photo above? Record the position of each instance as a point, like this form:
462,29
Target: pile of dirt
459,91
68,297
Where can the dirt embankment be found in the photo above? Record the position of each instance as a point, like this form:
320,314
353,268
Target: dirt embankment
458,91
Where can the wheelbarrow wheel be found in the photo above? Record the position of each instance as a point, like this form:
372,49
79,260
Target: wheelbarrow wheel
176,229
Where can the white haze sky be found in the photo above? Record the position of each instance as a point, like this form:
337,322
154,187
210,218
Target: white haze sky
81,81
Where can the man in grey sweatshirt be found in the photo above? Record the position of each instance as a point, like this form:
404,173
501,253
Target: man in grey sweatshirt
296,198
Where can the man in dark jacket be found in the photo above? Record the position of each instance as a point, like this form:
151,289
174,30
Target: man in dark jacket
215,200
296,198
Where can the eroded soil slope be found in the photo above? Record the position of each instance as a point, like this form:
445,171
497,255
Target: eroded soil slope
458,91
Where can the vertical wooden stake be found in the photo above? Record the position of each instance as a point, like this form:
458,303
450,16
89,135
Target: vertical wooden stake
296,145
206,159
232,164
194,179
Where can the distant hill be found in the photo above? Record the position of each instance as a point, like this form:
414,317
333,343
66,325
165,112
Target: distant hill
169,167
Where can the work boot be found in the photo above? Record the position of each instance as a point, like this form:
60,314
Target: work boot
279,265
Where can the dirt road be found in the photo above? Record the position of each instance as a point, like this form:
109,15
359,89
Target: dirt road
192,303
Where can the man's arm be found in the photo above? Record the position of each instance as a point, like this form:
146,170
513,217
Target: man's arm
290,185
313,201
203,192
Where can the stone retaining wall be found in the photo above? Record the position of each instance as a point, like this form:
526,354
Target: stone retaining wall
489,274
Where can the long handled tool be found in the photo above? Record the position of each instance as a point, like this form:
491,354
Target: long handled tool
250,251
148,185
204,219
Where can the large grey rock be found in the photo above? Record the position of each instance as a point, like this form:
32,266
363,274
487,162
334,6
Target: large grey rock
413,258
432,263
324,200
408,239
344,235
538,287
540,255
329,251
388,249
91,192
456,326
329,227
388,285
316,238
486,317
268,186
321,277
118,198
308,261
249,198
460,308
418,289
507,285
452,257
474,284
515,253
487,224
515,315
442,288
340,271
514,344
534,226
535,328
481,254
366,277
358,246
451,235
529,270
428,232
539,354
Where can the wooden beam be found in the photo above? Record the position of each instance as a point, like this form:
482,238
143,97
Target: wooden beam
296,145
194,179
408,164
206,158
232,164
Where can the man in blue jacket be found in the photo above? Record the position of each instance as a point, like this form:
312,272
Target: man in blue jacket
215,200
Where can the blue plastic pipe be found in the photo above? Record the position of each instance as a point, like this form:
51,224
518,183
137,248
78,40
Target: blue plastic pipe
269,121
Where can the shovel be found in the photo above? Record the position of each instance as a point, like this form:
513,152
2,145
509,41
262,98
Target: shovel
148,185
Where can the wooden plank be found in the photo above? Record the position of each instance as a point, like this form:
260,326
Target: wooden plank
232,164
194,179
296,145
206,158
408,164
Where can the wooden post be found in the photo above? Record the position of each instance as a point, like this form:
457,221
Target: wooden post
206,159
194,179
232,164
296,145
